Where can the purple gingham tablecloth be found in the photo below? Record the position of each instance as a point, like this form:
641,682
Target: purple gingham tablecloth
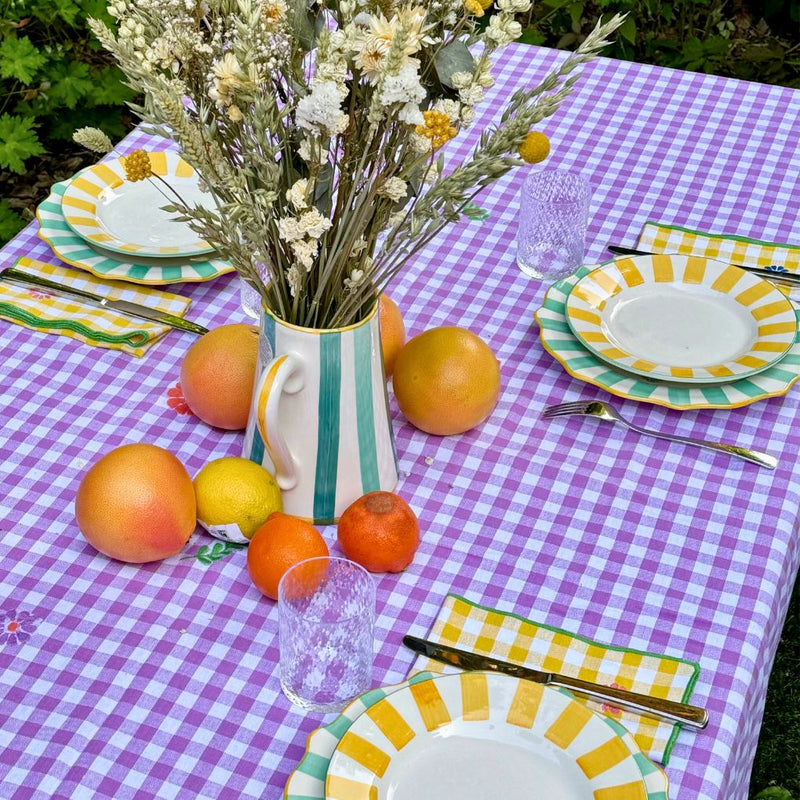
121,681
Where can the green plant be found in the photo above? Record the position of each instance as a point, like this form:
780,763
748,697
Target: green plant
53,78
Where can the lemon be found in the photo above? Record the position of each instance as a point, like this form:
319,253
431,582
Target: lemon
235,497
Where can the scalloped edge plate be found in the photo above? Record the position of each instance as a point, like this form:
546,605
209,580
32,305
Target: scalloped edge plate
559,340
74,250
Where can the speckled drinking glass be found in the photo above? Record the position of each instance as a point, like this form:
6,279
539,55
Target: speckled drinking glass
553,216
326,612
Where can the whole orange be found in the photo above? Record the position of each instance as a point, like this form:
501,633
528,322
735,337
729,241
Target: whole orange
136,504
380,532
281,542
446,380
393,332
217,375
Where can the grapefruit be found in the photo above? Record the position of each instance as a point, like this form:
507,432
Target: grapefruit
136,504
446,380
393,332
218,373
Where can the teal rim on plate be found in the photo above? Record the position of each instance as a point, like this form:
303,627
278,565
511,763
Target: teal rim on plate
559,340
681,318
74,250
307,782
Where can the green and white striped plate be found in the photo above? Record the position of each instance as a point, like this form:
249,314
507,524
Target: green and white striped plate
560,341
74,250
307,782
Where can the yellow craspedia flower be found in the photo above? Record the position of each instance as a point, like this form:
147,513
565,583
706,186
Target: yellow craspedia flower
535,147
137,166
475,7
437,128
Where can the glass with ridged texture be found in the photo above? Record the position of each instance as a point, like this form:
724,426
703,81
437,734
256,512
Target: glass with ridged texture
326,613
552,220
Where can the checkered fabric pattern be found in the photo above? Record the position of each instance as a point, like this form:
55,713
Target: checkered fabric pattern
511,638
161,680
43,310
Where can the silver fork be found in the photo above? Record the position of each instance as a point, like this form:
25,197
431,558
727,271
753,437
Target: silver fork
607,412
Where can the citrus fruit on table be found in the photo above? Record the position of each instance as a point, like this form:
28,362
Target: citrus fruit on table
218,373
136,504
393,332
235,496
280,543
446,380
380,532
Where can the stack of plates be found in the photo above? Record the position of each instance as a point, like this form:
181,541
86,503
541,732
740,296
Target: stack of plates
473,736
678,331
117,229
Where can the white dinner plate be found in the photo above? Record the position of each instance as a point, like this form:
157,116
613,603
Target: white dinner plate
124,216
74,250
681,318
478,735
559,340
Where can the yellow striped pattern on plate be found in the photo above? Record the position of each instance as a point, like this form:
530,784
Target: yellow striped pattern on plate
489,710
756,322
138,229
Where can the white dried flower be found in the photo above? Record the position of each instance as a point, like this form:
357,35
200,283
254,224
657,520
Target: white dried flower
395,189
461,80
305,251
351,283
503,29
320,112
294,277
404,87
296,195
313,224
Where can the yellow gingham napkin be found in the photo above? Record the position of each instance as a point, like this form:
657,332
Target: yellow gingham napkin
41,310
659,238
487,631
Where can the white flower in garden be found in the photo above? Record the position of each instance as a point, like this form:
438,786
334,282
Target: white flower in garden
395,189
296,195
320,112
471,95
420,144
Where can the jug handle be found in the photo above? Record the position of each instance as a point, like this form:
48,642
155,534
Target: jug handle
283,374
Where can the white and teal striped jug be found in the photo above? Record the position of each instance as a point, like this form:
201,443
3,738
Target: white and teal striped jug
319,419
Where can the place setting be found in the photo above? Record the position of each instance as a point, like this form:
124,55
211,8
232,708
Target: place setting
467,721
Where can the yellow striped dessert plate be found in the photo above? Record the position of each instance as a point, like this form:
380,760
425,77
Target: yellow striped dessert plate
477,735
106,209
682,319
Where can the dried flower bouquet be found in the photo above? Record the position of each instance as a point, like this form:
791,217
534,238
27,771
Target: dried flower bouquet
317,125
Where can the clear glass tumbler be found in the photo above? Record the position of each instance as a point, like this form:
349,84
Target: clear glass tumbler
553,216
326,612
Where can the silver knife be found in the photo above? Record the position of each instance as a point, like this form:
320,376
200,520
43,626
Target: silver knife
768,274
15,275
641,703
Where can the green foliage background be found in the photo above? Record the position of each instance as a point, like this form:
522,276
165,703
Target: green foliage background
53,78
